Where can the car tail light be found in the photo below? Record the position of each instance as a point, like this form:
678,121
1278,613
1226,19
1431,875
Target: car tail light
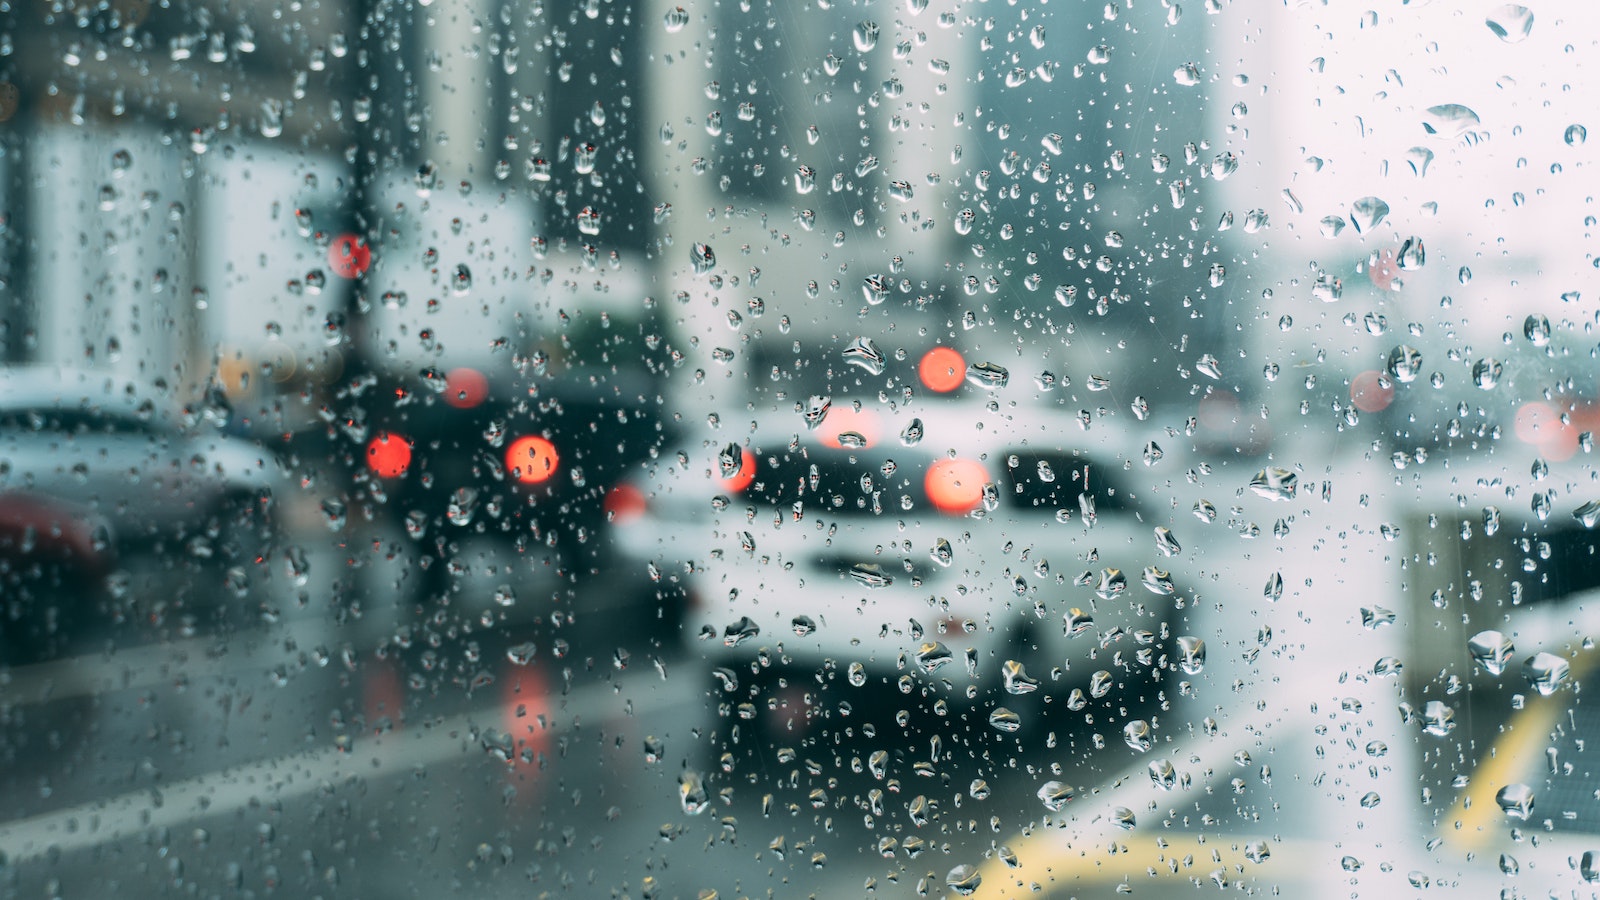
625,503
1371,391
955,486
1540,424
388,455
525,712
942,369
851,429
532,459
465,388
741,479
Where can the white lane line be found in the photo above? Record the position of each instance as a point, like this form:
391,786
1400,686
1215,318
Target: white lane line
299,774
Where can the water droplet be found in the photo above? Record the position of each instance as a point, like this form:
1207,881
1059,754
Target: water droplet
1274,589
1438,719
1536,329
1368,213
1588,514
1005,720
865,35
1162,774
988,375
1275,483
1055,795
521,654
963,879
692,792
1158,581
1166,544
1546,672
1492,650
933,654
1449,120
1191,654
1575,135
738,632
1136,734
816,409
1510,23
702,258
1405,363
1486,373
1516,799
912,434
1016,678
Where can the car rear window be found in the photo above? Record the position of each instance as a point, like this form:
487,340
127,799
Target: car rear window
1049,480
839,482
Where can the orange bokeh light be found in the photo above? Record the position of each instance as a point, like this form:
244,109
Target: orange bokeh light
389,455
1369,392
746,474
1540,424
532,459
863,423
955,485
942,369
465,388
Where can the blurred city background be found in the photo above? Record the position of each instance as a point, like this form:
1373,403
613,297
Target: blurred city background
796,449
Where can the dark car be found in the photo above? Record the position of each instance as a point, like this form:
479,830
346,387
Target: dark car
502,483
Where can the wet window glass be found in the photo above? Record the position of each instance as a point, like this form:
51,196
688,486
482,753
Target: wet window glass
958,448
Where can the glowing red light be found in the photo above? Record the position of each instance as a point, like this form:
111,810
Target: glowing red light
532,459
624,503
349,256
955,485
465,388
1540,424
746,473
942,369
1371,392
388,455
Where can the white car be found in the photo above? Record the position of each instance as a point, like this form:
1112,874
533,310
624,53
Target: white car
961,553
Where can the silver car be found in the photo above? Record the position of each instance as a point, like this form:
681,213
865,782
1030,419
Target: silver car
146,485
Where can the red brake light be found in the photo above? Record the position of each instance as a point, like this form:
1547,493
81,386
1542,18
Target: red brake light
1371,392
942,369
532,459
465,388
388,455
955,486
850,428
746,473
349,256
1540,424
625,503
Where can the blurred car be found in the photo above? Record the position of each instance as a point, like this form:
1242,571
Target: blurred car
93,467
50,551
955,552
501,482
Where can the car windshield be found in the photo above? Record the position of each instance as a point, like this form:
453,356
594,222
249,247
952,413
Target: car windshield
939,448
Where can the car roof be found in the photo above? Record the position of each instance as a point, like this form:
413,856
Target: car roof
964,429
44,387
